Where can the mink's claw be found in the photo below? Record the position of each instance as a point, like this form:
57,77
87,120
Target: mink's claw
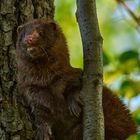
74,104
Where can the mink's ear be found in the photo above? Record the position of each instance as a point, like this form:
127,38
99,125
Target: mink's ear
53,25
19,28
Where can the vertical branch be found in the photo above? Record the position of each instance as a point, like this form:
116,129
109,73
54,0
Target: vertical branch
93,120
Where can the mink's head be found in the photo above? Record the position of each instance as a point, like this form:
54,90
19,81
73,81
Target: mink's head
36,38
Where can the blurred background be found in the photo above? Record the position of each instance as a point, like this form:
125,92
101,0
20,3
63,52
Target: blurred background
119,22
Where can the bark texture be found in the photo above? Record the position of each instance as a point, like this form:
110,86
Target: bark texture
14,120
93,70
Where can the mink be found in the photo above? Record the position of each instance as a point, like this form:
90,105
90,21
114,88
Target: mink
50,87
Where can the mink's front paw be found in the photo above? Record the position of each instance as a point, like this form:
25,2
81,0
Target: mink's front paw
75,104
43,132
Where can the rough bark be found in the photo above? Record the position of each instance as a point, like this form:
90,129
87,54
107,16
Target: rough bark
93,120
14,120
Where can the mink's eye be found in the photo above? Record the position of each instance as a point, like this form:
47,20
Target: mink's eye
41,33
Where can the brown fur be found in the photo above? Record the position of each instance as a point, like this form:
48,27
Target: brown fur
51,87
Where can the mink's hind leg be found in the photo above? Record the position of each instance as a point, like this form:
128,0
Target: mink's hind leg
42,124
43,132
77,132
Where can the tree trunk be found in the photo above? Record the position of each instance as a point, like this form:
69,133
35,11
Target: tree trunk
14,120
93,120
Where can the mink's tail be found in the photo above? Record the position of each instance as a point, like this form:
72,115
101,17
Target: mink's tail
118,120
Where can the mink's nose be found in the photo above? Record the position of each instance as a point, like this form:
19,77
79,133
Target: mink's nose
29,40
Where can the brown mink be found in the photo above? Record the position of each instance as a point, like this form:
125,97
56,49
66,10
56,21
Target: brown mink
51,87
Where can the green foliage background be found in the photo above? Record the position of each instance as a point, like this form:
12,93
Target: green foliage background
121,48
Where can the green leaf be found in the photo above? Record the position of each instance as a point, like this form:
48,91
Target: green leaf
128,55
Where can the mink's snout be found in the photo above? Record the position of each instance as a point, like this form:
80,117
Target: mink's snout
30,40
